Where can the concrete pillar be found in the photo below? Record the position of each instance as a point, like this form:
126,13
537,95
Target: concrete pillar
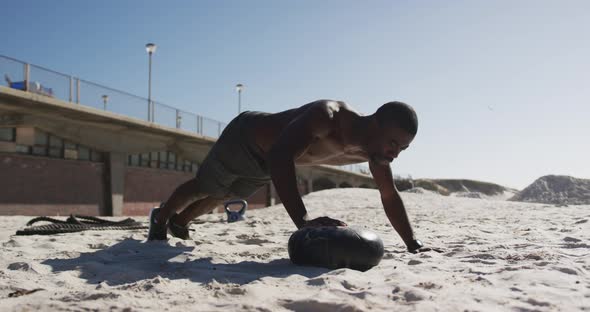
116,164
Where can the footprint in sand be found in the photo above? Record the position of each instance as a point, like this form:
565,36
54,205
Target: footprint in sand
482,280
457,246
69,254
527,256
481,258
542,263
362,295
251,240
237,290
320,281
254,223
571,239
428,285
11,243
255,241
389,255
455,249
452,252
566,270
146,285
222,289
21,292
19,266
22,266
97,246
346,284
315,305
413,295
337,272
262,256
81,296
537,303
574,245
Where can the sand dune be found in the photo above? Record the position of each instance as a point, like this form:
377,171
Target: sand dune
498,255
556,189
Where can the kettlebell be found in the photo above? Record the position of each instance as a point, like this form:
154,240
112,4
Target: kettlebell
234,216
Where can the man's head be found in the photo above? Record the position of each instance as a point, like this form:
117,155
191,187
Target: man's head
399,115
395,126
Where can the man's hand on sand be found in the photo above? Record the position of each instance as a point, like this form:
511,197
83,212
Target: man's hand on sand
324,221
425,249
416,246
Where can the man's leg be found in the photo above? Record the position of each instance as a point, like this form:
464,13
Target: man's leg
178,223
186,194
196,209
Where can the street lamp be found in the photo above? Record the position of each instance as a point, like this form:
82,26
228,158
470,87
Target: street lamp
105,99
239,88
151,49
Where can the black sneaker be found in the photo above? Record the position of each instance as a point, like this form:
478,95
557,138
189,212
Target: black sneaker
157,231
179,231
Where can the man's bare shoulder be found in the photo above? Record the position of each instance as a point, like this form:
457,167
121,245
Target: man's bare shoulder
330,108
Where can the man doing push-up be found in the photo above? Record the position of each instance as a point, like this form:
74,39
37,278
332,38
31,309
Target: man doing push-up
257,147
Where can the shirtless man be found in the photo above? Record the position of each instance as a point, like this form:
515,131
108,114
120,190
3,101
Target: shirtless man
258,147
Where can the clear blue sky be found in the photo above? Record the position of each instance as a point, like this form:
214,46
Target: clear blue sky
501,87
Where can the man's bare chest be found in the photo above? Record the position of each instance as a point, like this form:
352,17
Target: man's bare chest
331,151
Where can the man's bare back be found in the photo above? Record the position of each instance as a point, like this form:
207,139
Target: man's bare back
336,148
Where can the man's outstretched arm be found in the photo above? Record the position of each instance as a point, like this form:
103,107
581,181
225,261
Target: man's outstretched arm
393,204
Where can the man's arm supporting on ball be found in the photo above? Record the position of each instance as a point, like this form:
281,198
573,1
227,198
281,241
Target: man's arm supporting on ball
295,139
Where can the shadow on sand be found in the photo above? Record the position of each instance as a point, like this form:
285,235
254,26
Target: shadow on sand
133,260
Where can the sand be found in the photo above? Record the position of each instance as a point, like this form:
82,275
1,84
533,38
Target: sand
498,256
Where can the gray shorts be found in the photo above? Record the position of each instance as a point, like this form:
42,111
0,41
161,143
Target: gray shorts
235,167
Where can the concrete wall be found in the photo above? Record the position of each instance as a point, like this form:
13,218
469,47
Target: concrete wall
32,185
260,199
147,187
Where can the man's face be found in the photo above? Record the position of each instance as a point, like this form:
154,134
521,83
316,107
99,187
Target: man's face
389,141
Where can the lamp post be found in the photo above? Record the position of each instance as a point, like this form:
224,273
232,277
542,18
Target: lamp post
239,88
105,99
151,49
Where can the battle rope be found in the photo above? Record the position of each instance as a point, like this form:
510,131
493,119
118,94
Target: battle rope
77,224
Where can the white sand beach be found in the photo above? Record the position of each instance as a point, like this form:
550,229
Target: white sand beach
498,256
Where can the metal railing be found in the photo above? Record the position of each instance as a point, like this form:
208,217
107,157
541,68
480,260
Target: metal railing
32,78
357,168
